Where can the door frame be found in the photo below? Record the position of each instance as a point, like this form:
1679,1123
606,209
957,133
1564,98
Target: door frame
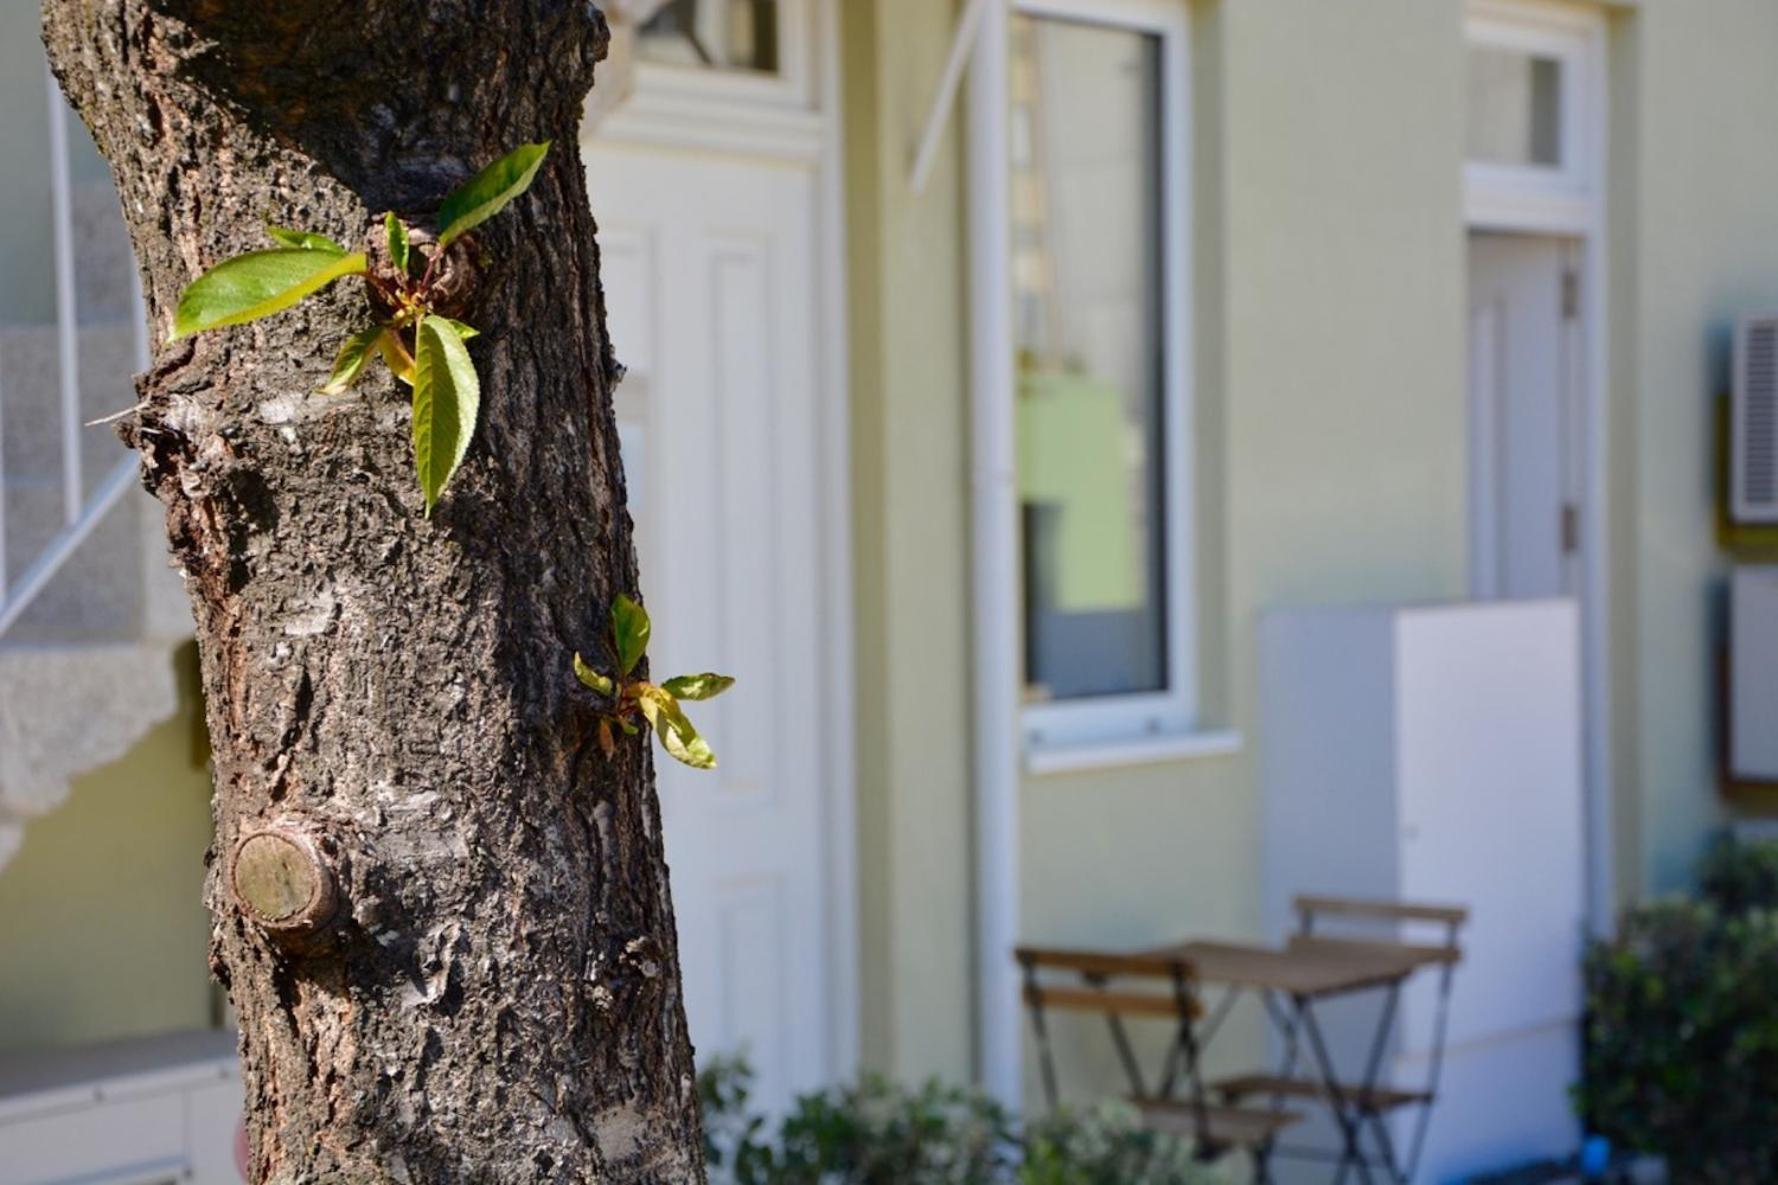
1570,204
799,120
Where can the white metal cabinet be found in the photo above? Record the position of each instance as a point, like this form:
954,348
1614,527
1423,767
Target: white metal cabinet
1433,753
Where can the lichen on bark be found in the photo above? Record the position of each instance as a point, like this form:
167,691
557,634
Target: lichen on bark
496,997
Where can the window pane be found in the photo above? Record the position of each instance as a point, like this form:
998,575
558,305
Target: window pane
1515,107
713,34
1087,313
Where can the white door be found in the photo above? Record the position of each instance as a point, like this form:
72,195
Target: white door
1523,431
709,263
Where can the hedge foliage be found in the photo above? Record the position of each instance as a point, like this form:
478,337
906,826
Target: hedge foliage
1681,1034
877,1133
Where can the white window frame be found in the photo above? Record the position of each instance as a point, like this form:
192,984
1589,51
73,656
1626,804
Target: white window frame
702,109
1051,730
1532,196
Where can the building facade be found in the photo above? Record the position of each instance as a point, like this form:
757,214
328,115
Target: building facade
1079,336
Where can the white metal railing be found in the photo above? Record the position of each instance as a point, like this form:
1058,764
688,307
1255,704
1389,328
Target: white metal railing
81,511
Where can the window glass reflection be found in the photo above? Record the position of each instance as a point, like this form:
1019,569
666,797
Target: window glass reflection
1087,247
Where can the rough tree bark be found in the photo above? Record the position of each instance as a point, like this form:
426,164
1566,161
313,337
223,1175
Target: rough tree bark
488,989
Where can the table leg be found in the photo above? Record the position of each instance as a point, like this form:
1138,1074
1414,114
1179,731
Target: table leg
1285,1019
1186,1006
1372,1072
1386,1148
1343,1112
1040,1027
1170,1068
1121,1040
1262,1164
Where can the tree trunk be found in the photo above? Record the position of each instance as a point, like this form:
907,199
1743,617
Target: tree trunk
476,978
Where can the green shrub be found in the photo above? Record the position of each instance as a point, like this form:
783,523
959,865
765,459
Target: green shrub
1105,1146
1738,877
876,1133
1681,1039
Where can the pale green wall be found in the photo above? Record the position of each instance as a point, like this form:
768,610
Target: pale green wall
1695,242
102,930
909,444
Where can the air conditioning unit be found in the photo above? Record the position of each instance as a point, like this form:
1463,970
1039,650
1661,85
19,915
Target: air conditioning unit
1753,441
1753,674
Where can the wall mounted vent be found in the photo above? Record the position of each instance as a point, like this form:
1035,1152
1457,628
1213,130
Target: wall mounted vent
1753,443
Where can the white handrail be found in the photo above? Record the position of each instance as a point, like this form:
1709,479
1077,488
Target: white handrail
67,541
3,596
67,317
81,512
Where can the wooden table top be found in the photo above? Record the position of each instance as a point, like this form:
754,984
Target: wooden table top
1312,968
1309,965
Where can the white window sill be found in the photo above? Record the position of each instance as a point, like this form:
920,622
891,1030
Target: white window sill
1153,750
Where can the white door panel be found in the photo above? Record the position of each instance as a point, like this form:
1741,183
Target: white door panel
1523,472
710,268
1489,768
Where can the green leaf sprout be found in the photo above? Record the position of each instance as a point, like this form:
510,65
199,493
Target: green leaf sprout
658,705
399,247
489,191
421,345
259,284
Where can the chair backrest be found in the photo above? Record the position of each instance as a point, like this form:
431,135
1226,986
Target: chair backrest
1405,923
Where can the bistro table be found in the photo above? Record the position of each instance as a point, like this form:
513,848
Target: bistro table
1290,982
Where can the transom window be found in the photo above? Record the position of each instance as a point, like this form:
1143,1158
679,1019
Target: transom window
1531,74
1099,336
1515,107
714,34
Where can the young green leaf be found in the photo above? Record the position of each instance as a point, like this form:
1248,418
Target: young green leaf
447,397
401,363
352,357
683,742
629,629
302,240
398,245
695,687
677,735
257,285
464,331
591,678
488,192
